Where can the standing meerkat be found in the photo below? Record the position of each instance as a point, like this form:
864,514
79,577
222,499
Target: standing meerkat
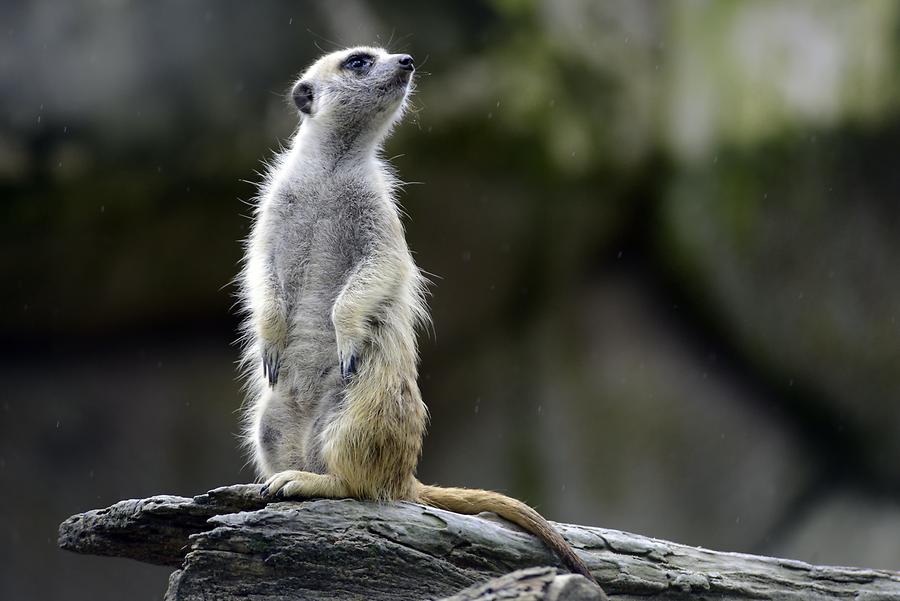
333,300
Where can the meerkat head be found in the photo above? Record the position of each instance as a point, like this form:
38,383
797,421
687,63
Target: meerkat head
355,89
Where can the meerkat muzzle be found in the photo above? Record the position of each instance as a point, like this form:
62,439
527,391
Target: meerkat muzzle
406,62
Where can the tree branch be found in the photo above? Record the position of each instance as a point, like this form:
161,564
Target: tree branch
229,544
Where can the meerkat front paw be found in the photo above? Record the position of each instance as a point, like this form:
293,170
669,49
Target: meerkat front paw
271,362
347,356
272,331
351,333
348,340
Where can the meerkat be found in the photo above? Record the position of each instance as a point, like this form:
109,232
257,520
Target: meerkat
333,302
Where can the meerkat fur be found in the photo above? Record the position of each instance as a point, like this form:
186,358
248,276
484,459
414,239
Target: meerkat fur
333,300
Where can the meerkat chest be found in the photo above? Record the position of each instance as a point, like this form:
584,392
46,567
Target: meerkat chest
327,203
318,227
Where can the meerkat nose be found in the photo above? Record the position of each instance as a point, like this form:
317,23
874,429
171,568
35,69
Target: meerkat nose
406,62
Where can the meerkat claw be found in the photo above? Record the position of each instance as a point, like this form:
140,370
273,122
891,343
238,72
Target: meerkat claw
348,367
274,485
271,365
347,356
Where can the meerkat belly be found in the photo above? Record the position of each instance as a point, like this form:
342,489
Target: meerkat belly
368,429
373,442
291,413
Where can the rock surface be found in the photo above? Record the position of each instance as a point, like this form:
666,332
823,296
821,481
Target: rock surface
230,544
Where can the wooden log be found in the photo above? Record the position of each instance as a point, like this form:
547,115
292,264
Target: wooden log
229,544
533,584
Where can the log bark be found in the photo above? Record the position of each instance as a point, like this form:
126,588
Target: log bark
230,544
533,584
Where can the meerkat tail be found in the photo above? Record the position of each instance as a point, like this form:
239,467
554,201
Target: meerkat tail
472,501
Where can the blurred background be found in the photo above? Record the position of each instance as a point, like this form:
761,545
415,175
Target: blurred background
665,239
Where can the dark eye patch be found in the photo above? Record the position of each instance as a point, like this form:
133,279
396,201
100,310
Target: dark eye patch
358,63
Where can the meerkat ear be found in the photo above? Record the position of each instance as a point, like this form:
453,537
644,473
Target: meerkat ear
302,94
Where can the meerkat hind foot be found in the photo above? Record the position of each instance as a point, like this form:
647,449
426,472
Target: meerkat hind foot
295,483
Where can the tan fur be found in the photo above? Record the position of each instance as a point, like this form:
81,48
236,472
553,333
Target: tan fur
474,501
364,439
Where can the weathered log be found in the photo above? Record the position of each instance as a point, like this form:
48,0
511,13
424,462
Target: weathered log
533,584
230,544
154,530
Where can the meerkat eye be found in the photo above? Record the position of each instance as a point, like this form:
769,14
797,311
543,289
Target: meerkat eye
359,63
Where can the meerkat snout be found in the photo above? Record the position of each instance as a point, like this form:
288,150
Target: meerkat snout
406,62
302,94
